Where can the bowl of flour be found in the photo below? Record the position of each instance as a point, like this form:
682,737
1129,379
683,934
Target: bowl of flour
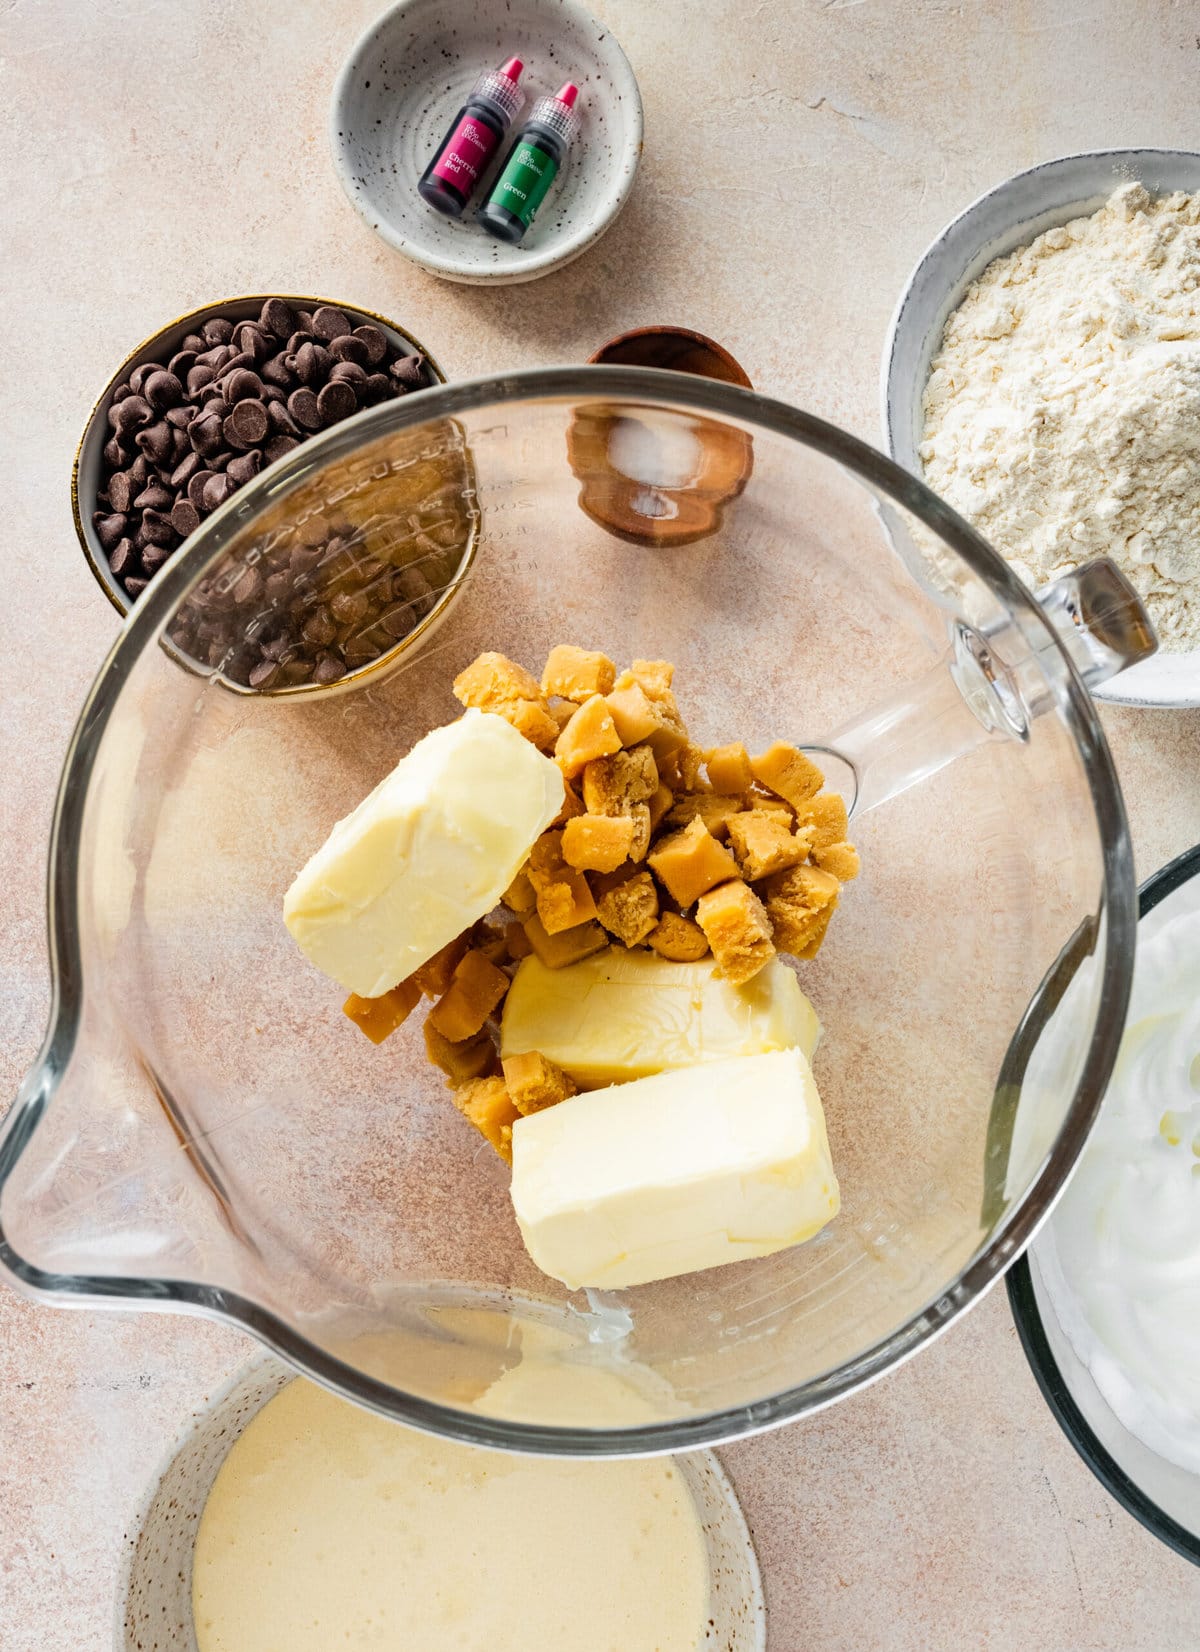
1042,373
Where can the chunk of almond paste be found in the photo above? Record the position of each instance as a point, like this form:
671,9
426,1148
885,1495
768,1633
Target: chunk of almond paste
797,903
572,805
630,909
488,1105
613,785
678,938
434,975
493,681
738,930
640,815
563,896
568,946
577,673
520,896
460,1062
715,811
634,713
597,843
839,858
728,768
380,1017
655,676
827,817
591,733
474,991
534,1083
533,720
691,861
659,805
786,771
762,844
562,711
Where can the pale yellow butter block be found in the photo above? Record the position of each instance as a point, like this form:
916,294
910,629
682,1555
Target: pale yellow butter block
623,1015
686,1170
428,853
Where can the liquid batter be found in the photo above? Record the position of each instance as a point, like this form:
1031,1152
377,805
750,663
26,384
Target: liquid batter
328,1527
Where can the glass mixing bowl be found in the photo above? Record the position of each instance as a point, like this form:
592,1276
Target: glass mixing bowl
205,1130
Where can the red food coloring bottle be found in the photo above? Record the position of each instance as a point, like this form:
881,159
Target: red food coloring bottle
461,158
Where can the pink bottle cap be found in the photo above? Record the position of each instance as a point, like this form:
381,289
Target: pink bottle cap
512,69
567,94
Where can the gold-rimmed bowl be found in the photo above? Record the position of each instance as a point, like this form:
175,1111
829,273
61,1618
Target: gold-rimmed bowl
160,346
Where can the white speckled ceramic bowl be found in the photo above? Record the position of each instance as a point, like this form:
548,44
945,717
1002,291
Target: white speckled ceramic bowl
1008,217
154,1602
412,70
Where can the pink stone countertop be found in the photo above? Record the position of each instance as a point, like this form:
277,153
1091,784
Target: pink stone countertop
159,153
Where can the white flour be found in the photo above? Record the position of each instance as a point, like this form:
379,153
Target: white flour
1062,413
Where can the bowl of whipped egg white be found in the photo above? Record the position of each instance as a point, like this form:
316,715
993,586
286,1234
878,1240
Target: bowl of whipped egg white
1107,1299
1042,374
287,1517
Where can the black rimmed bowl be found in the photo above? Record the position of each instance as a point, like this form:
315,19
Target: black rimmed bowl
1164,1497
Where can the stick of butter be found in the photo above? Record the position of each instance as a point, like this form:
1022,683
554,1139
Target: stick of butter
622,1015
670,1174
428,853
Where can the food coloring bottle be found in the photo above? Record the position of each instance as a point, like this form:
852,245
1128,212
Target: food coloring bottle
462,156
531,165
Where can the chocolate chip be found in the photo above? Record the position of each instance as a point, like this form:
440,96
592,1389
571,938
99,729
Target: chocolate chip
336,401
153,497
193,342
277,371
198,376
130,414
278,446
302,405
319,628
348,372
245,467
196,486
216,491
180,417
156,529
311,364
328,323
109,528
135,587
163,390
251,338
239,384
137,379
140,468
122,558
409,371
298,339
204,433
375,341
215,357
185,518
281,419
122,490
348,348
185,470
246,425
179,446
155,442
328,669
181,363
116,456
156,557
120,393
377,387
217,330
278,317
264,674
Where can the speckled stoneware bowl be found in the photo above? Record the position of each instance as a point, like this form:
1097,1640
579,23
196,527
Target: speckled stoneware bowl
154,1601
1008,217
412,71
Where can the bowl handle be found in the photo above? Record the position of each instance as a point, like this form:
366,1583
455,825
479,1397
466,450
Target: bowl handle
975,694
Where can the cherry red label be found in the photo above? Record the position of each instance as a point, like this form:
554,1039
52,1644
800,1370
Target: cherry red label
466,155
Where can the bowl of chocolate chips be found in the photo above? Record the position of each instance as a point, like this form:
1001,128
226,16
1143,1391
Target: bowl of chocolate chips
200,409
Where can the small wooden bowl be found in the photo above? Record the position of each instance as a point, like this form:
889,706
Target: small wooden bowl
654,508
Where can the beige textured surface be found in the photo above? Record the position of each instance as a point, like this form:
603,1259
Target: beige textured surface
159,154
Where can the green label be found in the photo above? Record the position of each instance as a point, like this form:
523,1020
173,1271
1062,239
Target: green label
522,185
